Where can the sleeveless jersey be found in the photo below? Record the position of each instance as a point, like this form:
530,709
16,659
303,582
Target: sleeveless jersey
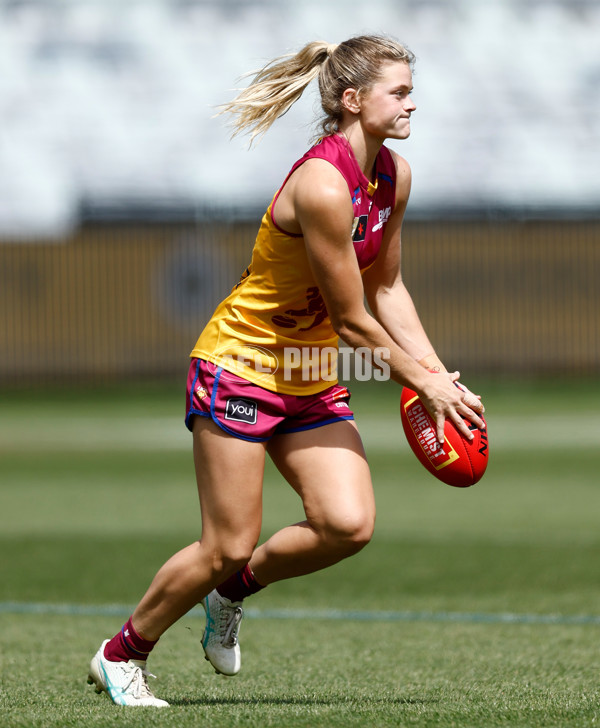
273,329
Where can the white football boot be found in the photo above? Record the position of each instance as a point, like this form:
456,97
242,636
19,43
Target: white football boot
220,638
125,682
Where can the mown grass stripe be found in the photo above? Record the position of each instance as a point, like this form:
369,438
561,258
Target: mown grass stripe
380,432
124,610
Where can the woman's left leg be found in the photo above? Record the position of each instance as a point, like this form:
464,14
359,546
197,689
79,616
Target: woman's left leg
327,467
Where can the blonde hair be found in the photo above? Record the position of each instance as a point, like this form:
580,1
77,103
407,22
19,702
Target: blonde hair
355,63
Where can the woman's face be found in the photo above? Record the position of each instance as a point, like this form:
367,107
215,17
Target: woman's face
386,108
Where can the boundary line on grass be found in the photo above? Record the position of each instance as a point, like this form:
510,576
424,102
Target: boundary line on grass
123,610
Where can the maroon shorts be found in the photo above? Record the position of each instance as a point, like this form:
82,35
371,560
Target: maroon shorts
253,413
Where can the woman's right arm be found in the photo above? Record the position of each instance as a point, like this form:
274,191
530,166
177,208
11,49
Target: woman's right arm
321,206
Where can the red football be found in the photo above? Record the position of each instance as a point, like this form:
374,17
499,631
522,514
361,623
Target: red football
459,462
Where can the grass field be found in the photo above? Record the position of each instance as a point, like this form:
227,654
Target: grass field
470,608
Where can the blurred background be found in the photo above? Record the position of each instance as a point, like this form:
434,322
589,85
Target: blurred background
126,212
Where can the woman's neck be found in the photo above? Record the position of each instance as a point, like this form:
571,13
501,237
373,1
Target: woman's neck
365,149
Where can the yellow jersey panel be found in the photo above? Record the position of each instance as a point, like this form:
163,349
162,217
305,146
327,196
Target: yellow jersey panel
273,329
263,329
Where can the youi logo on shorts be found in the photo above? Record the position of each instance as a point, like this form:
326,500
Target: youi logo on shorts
241,410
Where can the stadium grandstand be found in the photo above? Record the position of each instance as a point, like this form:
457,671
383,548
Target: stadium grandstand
122,195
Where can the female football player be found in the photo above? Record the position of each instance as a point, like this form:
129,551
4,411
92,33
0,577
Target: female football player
262,378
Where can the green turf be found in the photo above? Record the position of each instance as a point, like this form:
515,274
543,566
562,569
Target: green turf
97,490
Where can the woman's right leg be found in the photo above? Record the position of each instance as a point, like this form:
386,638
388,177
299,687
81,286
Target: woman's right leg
229,473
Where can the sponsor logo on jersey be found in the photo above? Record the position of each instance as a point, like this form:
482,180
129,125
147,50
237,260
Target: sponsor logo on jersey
384,216
241,410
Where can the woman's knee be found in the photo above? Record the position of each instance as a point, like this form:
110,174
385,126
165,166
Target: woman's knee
361,533
350,534
231,556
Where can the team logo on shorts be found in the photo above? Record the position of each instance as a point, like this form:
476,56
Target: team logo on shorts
241,410
342,393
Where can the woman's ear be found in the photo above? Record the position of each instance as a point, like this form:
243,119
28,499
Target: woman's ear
351,101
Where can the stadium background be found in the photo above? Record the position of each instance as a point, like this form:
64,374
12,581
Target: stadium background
126,212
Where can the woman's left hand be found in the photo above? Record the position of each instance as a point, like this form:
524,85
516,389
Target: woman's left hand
471,400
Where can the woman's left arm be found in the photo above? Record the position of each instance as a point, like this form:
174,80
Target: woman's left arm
388,297
389,300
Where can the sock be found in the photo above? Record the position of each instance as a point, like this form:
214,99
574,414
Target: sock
128,645
240,585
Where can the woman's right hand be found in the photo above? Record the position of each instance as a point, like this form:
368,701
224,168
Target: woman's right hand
444,400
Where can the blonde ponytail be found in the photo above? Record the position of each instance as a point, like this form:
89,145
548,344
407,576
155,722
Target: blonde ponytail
355,63
275,88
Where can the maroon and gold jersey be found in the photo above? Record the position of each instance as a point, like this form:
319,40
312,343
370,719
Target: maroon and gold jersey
273,329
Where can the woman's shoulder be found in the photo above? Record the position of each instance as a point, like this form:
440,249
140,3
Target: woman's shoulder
400,164
327,159
320,181
402,174
329,148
